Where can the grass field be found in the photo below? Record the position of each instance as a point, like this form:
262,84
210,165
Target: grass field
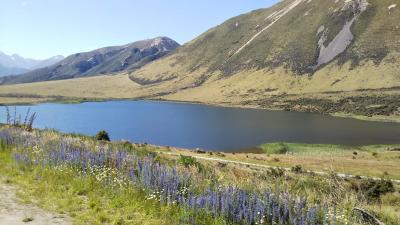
119,87
105,195
381,161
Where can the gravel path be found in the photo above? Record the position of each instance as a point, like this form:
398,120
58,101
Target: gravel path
13,211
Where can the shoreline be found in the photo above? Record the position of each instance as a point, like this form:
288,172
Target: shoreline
269,156
376,118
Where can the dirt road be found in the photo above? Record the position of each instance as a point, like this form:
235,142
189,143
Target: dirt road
14,212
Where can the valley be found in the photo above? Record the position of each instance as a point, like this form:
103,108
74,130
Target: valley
288,114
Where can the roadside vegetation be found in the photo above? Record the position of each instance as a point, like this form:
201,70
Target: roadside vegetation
297,148
186,195
101,182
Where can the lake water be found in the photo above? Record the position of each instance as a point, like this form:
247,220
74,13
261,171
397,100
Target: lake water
206,127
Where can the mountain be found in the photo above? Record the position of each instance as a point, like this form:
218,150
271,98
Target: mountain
329,56
16,61
5,71
47,62
293,47
101,61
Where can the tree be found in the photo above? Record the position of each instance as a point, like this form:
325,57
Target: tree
102,136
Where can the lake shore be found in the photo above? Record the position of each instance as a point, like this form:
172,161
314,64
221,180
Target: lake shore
370,104
15,101
375,118
205,126
372,161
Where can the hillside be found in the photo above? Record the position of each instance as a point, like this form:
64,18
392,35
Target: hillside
296,47
100,61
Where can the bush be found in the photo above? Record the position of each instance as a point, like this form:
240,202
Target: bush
297,169
373,189
189,161
275,148
3,145
127,146
276,172
102,136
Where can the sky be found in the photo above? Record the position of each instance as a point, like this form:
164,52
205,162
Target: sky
43,28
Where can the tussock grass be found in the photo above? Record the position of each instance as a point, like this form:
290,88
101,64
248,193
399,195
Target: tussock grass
299,148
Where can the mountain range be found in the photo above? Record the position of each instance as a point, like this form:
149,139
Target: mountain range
5,71
100,61
16,64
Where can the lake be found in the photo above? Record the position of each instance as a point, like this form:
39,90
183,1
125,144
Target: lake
206,127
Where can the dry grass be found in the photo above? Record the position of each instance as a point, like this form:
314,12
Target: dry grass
92,87
279,81
21,100
365,163
331,82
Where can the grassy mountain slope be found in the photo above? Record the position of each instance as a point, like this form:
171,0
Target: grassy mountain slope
258,56
287,51
101,61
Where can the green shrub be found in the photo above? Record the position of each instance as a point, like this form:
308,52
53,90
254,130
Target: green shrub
297,169
127,146
276,172
374,189
27,219
102,136
275,148
189,161
3,145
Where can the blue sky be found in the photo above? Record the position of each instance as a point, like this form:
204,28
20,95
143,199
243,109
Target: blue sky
43,28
